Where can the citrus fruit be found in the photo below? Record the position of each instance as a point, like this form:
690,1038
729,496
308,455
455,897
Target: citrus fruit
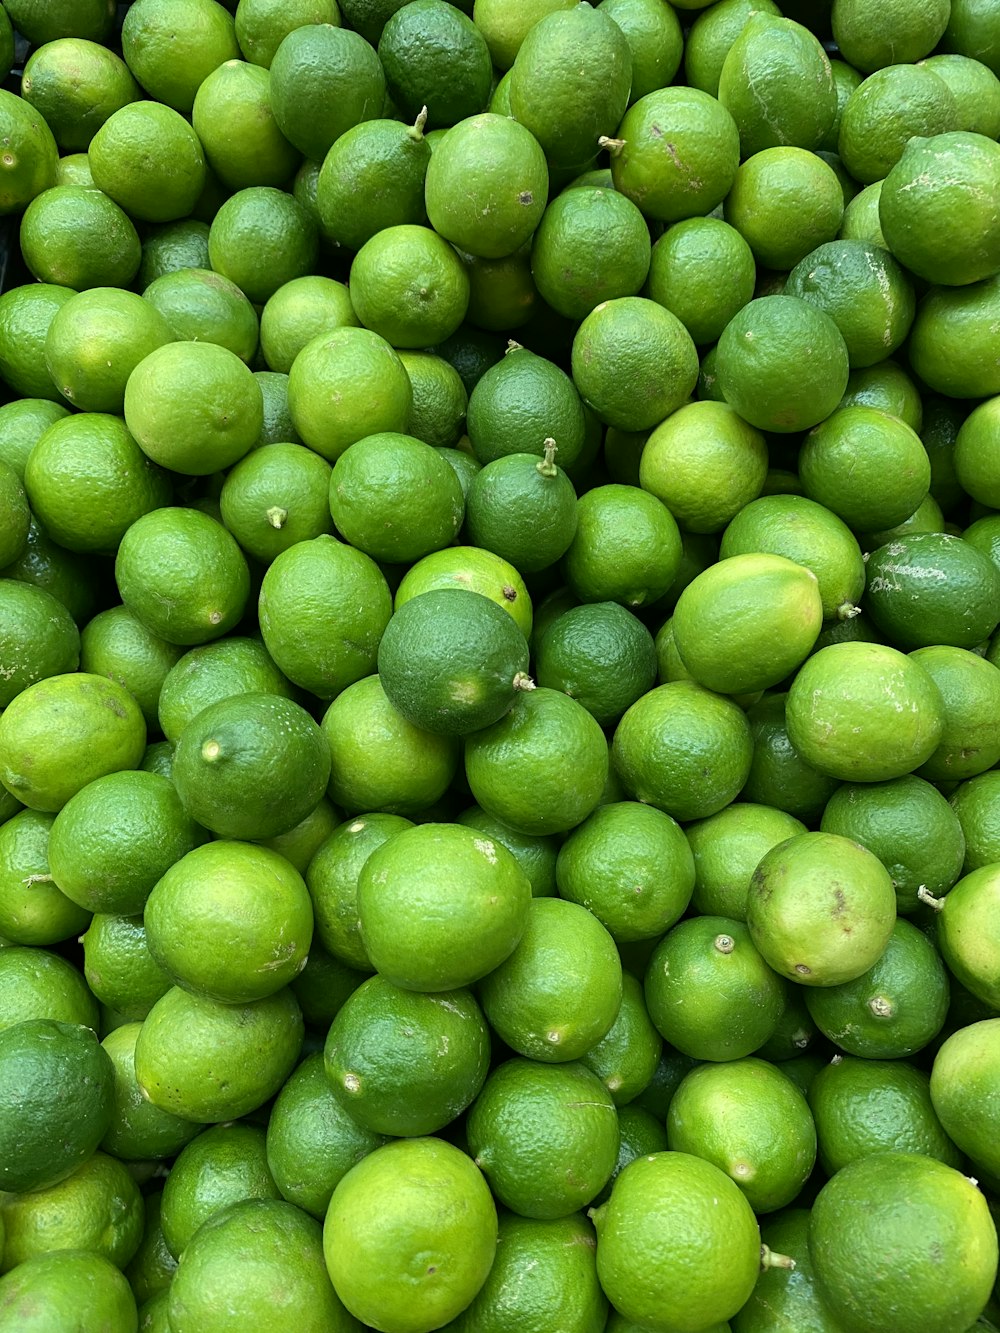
782,364
710,993
380,760
324,79
119,968
394,498
857,1218
946,339
232,117
439,405
31,157
32,909
808,534
419,1256
88,480
749,1120
323,607
152,1265
747,622
435,57
72,580
710,37
633,362
820,908
275,497
966,932
784,202
55,1101
521,402
39,635
591,245
932,588
969,690
726,849
937,180
403,1063
182,575
627,1056
777,84
170,246
888,387
975,454
70,1285
650,1262
207,1061
440,906
201,306
451,661
79,238
675,154
512,770
702,271
559,992
172,45
902,33
261,238
312,1142
262,25
65,731
149,160
909,826
963,1091
408,285
626,548
544,1135
975,804
784,1292
683,749
570,82
215,671
25,315
24,420
346,384
39,984
895,104
283,1249
522,509
600,655
867,1106
974,86
297,312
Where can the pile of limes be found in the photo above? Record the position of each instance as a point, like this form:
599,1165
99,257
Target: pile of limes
499,666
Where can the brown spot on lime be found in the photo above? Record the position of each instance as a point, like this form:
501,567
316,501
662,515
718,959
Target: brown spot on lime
509,593
526,197
802,970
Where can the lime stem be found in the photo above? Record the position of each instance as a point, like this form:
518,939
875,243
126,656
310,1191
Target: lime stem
522,681
276,516
210,751
925,896
614,146
768,1259
724,943
416,130
513,346
881,1007
547,467
847,611
37,879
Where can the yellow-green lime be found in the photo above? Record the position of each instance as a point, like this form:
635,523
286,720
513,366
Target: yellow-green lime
901,34
32,163
701,270
963,1090
261,238
410,1235
977,463
79,238
626,1057
408,285
727,848
37,983
976,805
967,931
299,311
821,909
970,691
232,117
712,34
39,634
210,672
946,340
201,306
172,45
784,202
710,993
404,1063
897,103
148,159
380,760
275,497
976,90
76,85
262,25
119,968
655,41
24,420
545,1136
888,387
626,549
33,911
70,1285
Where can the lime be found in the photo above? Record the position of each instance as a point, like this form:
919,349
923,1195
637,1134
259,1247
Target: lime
521,402
373,177
808,534
895,104
522,509
784,1292
544,1135
262,25
410,1235
262,238
439,403
782,364
215,671
408,285
966,932
751,1122
902,32
25,315
570,82
676,154
32,909
403,1063
559,992
24,420
515,767
71,1285
148,159
650,1262
860,1214
747,622
683,749
440,906
909,826
505,30
275,497
299,311
119,968
152,1266
182,575
868,1106
75,237
627,547
207,1061
975,455
39,636
710,993
324,80
976,805
75,582
51,1067
946,339
201,306
784,202
346,384
171,246
889,388
65,731
655,41
223,1166
712,34
976,92
96,342
702,271
600,655
970,691
30,161
727,848
963,1090
626,1057
172,45
88,480
232,117
38,984
323,608
435,57
932,588
886,703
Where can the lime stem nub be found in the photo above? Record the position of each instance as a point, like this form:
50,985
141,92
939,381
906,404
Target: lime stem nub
724,943
210,751
847,611
276,516
513,346
768,1259
37,879
522,681
547,466
614,146
416,130
925,896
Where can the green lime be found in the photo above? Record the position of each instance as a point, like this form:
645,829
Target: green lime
299,311
274,497
976,91
201,306
25,420
966,932
784,202
522,509
69,1286
39,635
262,238
172,45
33,910
373,177
215,671
712,34
403,1063
975,456
977,805
515,767
152,1266
862,712
38,984
889,108
627,547
207,1061
435,57
32,154
889,388
544,1135
171,246
25,316
702,271
117,645
78,238
408,284
710,993
655,40
946,339
683,749
970,691
903,32
148,159
470,569
519,403
380,760
727,848
600,655
139,1131
119,968
262,25
410,1235
439,403
440,906
932,588
963,1090
232,117
324,80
